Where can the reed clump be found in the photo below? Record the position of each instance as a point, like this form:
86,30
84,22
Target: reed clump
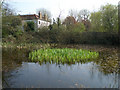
65,55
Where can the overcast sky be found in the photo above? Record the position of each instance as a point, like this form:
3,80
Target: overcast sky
55,6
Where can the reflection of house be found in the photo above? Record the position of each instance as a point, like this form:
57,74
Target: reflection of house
39,20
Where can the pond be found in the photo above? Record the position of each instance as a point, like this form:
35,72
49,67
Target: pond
20,72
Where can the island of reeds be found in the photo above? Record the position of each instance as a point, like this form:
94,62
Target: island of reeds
65,55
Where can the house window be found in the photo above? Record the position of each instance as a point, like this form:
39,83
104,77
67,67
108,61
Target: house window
39,22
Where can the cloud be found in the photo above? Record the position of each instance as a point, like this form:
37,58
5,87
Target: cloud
24,1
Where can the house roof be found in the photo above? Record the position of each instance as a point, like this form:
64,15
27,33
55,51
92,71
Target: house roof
29,17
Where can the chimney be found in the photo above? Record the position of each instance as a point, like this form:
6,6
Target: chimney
45,17
40,15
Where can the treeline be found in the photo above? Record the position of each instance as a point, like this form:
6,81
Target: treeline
105,20
100,27
73,37
11,23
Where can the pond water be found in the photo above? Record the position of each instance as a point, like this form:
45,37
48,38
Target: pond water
19,72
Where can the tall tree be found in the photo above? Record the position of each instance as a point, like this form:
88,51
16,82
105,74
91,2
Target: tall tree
110,17
10,22
106,19
83,17
96,22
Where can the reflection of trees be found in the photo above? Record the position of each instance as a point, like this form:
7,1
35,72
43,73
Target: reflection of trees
108,62
108,56
96,70
4,82
12,58
48,67
60,68
69,63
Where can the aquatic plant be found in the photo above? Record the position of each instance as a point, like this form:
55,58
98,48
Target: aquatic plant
65,55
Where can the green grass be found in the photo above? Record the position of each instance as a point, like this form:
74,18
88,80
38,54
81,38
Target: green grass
65,55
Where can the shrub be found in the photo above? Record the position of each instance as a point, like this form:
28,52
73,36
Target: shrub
10,24
29,26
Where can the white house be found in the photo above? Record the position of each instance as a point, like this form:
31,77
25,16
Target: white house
39,20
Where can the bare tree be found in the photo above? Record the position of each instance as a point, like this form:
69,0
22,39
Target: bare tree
79,16
79,19
6,9
73,13
84,14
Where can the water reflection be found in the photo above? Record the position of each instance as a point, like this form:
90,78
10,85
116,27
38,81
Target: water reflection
13,58
108,62
52,76
19,73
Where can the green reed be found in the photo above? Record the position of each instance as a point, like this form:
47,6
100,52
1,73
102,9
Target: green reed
65,55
